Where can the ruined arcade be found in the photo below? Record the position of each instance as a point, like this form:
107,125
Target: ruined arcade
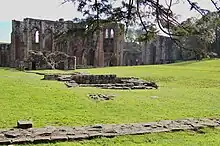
45,44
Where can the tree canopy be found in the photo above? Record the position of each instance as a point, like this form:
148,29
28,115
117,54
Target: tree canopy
148,15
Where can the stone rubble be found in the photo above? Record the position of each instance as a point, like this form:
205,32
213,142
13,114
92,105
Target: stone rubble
54,134
101,97
110,81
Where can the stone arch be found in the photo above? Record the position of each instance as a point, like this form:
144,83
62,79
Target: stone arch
35,35
35,38
112,33
106,33
48,40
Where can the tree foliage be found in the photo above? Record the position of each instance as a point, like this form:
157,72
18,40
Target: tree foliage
198,35
145,14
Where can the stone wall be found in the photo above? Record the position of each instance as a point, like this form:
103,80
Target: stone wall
4,54
55,134
94,79
110,81
113,44
160,50
132,54
45,36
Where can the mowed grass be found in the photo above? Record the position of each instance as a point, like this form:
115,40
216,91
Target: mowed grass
186,90
189,89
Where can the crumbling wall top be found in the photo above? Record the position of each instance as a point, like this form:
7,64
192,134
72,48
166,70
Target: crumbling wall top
4,46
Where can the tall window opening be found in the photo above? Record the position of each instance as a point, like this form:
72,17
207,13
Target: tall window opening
37,37
112,33
106,33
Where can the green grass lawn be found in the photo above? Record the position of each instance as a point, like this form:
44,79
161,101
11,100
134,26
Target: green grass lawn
189,89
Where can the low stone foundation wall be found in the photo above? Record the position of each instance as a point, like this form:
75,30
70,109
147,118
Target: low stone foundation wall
94,79
110,81
51,134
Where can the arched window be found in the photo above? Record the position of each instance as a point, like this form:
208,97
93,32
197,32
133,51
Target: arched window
37,36
112,33
106,33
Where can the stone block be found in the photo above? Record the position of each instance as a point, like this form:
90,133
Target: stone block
97,126
12,134
22,140
110,135
51,77
71,83
24,124
78,137
59,137
64,78
94,135
41,139
159,130
140,132
5,141
2,136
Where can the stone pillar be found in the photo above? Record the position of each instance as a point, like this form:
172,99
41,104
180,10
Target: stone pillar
143,53
99,52
41,35
148,49
74,62
29,38
163,50
118,44
66,64
68,47
116,47
25,39
12,51
41,41
121,46
158,50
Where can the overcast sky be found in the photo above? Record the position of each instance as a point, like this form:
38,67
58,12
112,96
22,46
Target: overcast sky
51,9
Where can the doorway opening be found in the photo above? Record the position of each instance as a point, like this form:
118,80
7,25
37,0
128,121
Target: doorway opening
33,65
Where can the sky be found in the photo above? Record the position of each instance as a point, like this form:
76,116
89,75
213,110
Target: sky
53,10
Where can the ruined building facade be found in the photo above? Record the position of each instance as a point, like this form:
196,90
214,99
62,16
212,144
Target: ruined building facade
163,50
160,50
44,44
4,55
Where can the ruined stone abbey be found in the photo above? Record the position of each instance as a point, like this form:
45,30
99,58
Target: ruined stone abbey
44,44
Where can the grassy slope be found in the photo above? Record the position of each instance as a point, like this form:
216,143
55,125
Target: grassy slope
189,89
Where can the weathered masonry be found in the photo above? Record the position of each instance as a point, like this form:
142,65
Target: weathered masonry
161,50
45,44
4,54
